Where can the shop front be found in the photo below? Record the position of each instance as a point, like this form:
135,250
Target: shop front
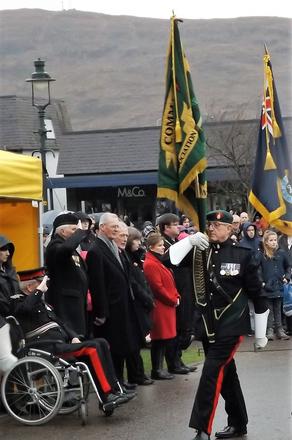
134,201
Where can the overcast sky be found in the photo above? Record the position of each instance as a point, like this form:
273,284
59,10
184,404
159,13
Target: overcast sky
163,8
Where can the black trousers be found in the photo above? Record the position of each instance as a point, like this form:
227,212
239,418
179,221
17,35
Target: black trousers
219,375
135,367
96,355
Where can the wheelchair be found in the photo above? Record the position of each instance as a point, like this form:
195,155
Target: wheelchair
42,385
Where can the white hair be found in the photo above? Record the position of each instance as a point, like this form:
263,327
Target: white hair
122,225
106,218
58,228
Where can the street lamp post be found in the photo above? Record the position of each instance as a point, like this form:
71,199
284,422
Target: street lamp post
41,98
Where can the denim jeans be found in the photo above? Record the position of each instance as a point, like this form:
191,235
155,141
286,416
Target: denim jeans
275,315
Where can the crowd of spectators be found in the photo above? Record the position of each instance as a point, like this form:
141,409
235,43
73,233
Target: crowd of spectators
113,284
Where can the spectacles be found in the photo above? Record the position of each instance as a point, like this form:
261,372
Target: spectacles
215,225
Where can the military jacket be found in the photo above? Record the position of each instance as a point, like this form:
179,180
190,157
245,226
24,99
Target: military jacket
233,277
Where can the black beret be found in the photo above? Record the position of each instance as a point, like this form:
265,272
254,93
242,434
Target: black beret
220,216
65,219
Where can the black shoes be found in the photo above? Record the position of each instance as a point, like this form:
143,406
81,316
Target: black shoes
202,436
192,368
129,386
179,370
114,400
161,375
231,432
146,381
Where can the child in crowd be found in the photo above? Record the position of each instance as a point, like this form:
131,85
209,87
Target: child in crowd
276,272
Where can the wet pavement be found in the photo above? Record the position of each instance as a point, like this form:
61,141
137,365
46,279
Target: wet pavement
161,411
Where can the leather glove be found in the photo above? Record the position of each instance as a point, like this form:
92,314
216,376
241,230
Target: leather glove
199,240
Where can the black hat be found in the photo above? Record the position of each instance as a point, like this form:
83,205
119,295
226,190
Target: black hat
220,216
65,219
83,216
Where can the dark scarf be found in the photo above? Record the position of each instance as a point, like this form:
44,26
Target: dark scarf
158,256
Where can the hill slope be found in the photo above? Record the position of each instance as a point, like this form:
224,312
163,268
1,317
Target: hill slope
110,69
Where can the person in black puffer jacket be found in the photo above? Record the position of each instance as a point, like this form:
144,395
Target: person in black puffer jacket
8,285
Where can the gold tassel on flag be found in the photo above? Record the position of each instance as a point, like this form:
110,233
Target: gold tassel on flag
269,163
178,133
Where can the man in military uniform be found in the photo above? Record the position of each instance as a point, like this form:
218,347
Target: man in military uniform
233,278
68,284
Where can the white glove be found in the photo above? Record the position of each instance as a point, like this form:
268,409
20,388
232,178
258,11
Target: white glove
43,285
199,240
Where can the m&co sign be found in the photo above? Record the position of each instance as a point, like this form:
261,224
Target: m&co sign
134,191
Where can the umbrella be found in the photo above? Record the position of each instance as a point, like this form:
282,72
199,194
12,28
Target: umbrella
96,216
48,217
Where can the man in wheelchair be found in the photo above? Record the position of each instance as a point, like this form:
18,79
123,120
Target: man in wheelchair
42,327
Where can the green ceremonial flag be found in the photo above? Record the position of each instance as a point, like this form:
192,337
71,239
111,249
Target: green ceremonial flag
182,158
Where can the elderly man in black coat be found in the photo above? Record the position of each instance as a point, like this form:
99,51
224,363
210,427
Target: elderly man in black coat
68,284
112,296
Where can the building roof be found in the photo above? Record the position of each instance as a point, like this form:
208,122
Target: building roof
116,151
137,149
19,123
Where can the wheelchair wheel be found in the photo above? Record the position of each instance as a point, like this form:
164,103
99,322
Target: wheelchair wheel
73,404
32,391
83,412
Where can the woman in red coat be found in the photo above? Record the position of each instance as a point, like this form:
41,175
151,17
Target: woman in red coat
166,299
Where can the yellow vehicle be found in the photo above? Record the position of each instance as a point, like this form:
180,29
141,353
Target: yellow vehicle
21,207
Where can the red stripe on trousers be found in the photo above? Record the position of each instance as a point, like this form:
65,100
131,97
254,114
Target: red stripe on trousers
92,354
219,384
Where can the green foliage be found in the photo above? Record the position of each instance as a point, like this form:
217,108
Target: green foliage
192,355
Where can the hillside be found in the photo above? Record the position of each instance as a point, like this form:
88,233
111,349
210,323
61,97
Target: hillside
110,69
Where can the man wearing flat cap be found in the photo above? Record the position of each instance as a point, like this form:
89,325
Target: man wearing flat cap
68,283
222,299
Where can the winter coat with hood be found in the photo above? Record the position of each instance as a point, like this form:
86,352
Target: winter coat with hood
254,243
9,282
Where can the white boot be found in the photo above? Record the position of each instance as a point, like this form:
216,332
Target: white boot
7,359
260,323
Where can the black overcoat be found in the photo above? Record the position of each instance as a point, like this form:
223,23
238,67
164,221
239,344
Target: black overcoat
143,297
184,283
111,299
68,283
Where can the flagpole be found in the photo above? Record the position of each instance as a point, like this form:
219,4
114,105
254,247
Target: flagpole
178,134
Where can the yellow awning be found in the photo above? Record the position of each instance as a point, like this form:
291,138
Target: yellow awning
20,176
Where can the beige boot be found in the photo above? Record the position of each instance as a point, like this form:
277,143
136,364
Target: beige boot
281,334
7,359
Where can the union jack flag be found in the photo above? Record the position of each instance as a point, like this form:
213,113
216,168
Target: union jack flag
266,118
